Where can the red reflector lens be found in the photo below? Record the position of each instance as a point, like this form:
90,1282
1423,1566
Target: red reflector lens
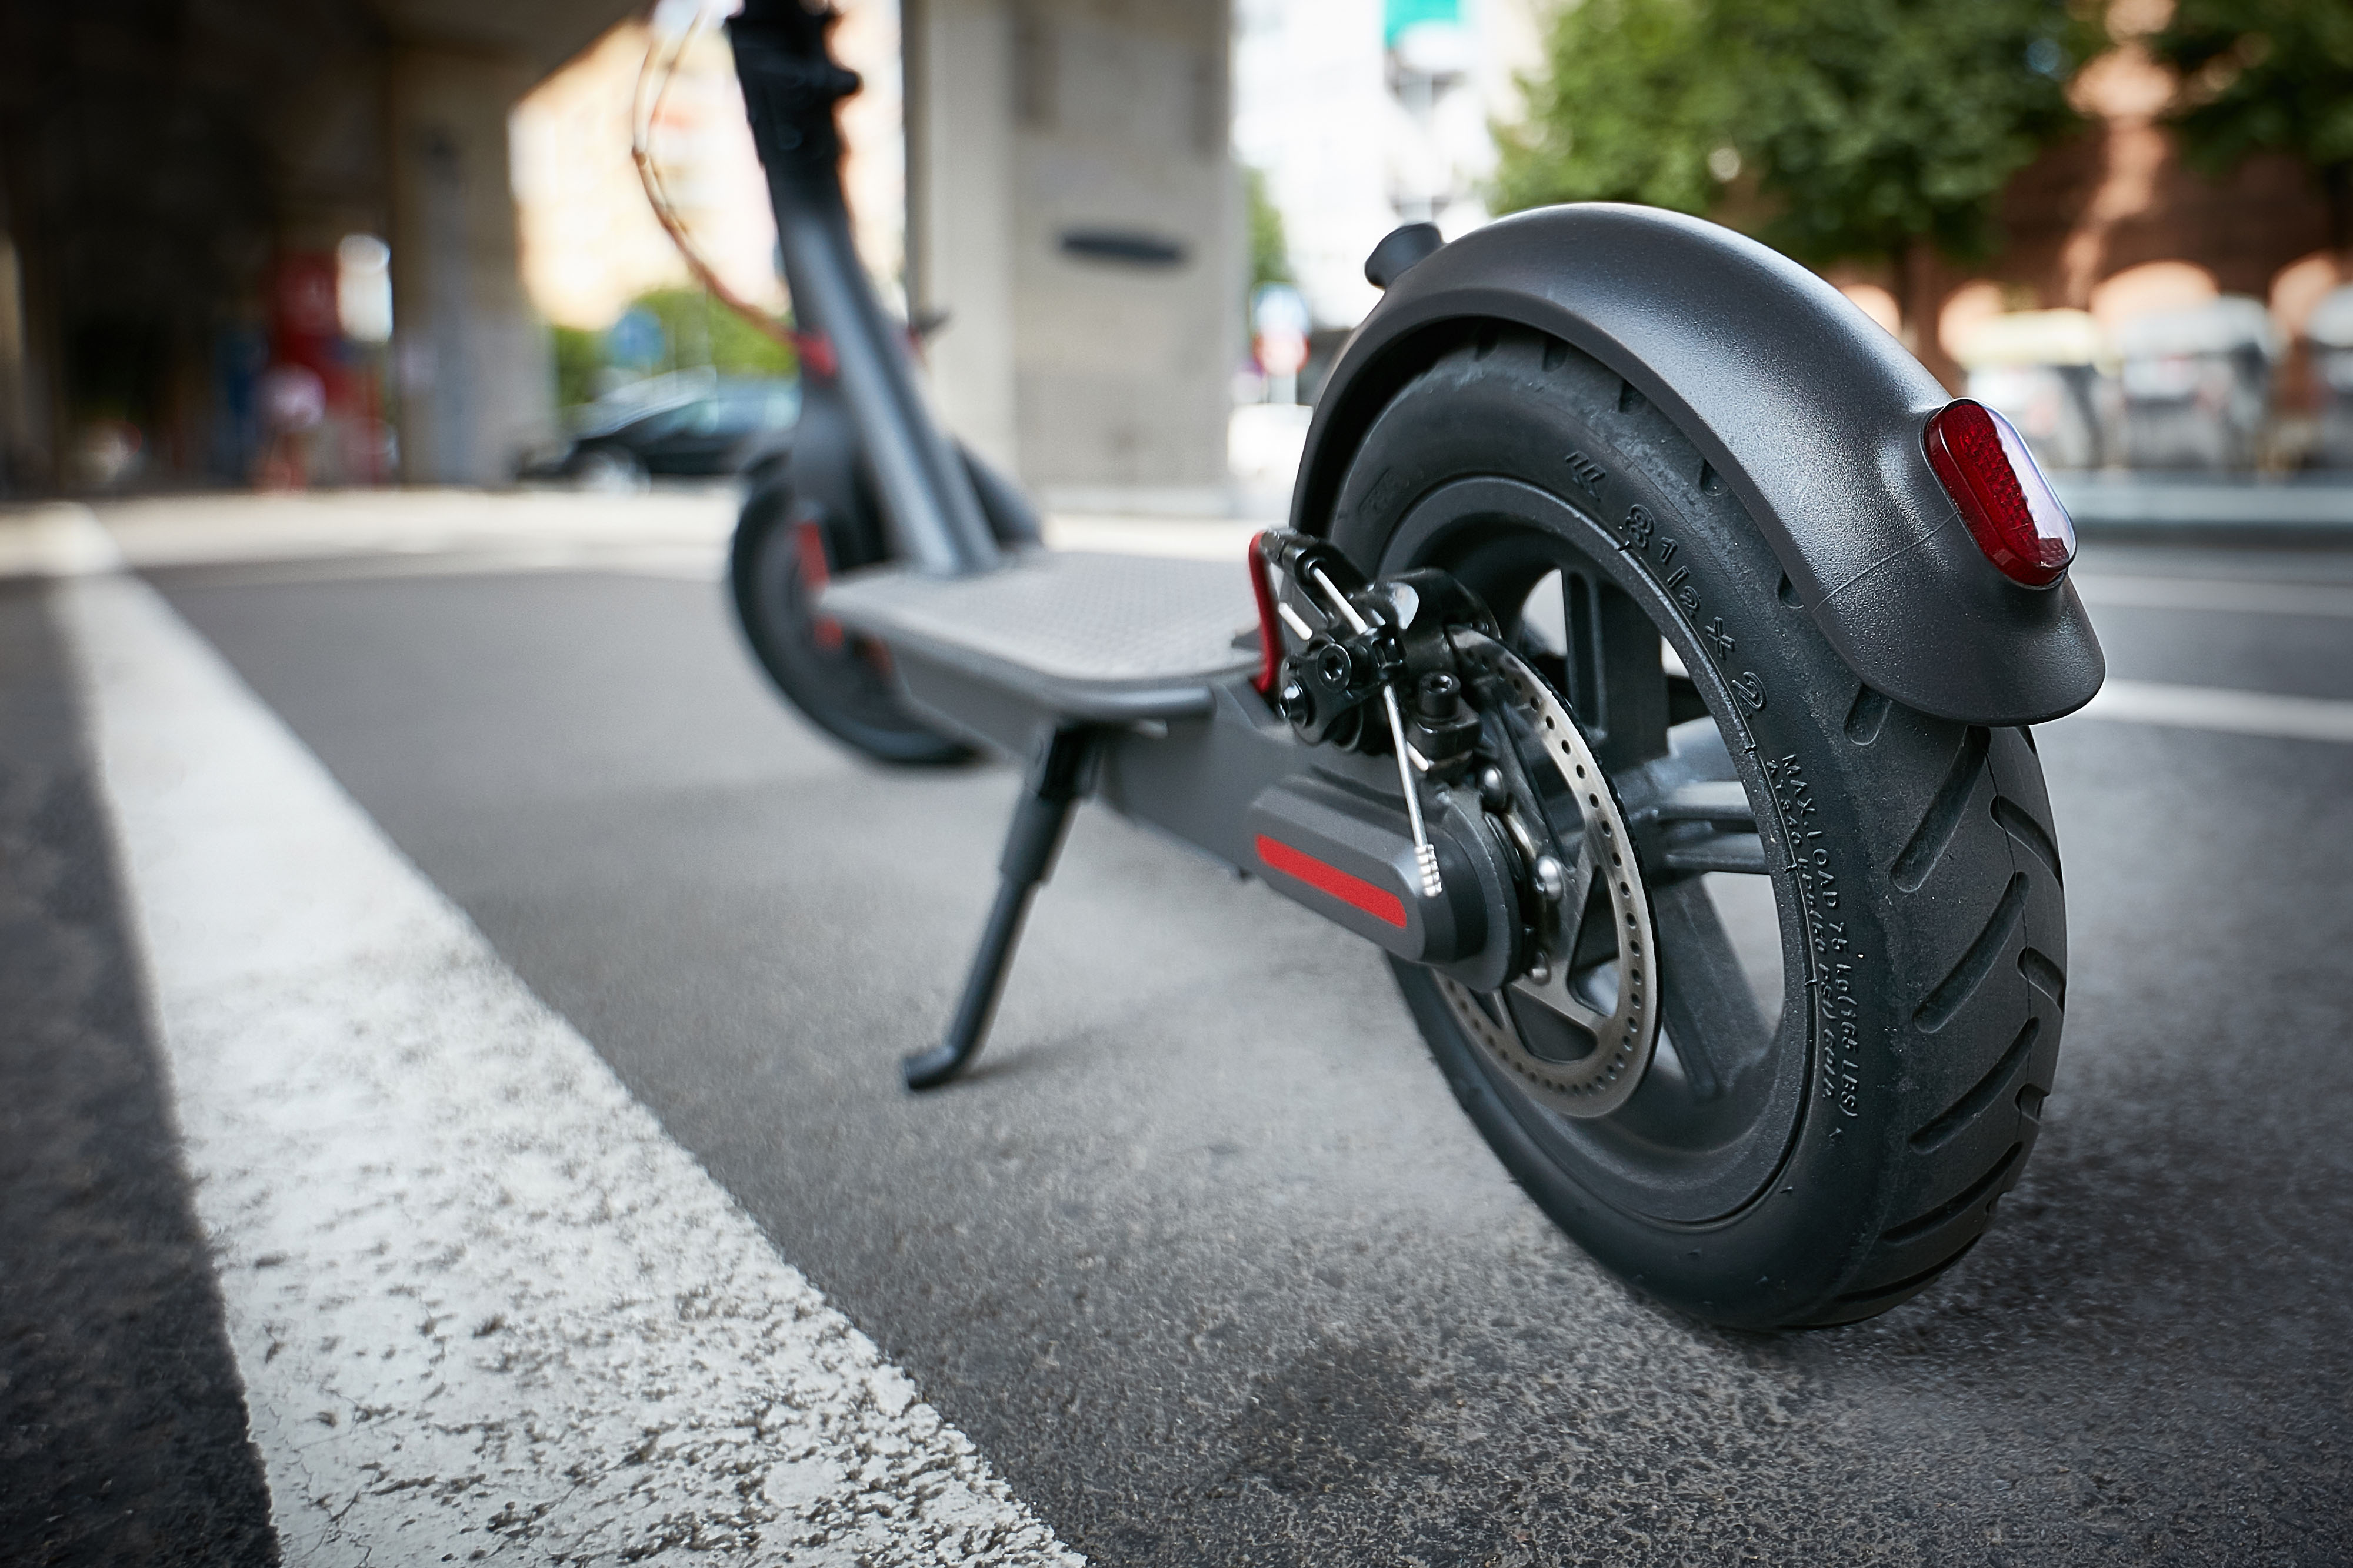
1986,468
1355,892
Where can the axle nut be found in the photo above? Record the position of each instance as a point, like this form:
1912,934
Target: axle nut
1552,879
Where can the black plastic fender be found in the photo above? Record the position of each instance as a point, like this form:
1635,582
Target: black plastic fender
1804,406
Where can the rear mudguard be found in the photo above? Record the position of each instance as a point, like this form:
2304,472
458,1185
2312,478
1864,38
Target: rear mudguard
1808,411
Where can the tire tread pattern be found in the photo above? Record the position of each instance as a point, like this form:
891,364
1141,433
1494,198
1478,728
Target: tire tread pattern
1970,1106
1943,818
1956,848
1982,957
1975,1149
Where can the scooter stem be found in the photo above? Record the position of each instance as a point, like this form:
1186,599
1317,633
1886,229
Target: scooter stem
791,85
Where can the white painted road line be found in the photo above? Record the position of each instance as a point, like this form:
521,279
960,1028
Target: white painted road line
2230,596
2212,707
57,538
483,1307
685,564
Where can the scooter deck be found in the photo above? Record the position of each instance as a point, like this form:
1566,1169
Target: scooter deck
1104,639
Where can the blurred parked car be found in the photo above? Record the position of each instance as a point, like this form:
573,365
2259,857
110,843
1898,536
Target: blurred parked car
2196,384
683,428
2329,333
2040,369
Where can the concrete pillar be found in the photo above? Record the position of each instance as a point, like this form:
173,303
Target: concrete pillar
960,245
1072,202
24,436
32,368
471,371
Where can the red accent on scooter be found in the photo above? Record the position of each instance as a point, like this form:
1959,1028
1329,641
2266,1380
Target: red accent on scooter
1985,467
1270,625
815,350
808,538
1354,892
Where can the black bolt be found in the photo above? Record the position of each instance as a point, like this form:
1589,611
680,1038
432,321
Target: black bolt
1439,696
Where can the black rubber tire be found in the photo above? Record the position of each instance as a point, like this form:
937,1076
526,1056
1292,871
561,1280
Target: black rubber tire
842,684
1922,912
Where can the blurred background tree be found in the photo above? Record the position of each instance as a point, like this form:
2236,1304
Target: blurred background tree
579,360
1637,96
1833,130
2267,76
696,331
1270,254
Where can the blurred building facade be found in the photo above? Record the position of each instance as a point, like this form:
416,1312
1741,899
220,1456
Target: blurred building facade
203,208
178,183
2138,314
280,239
1365,114
590,241
1073,213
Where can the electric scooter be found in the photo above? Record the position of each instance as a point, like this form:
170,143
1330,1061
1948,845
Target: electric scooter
1631,575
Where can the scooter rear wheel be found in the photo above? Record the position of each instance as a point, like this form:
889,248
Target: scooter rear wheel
1860,922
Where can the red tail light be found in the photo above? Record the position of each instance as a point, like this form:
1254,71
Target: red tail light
1991,477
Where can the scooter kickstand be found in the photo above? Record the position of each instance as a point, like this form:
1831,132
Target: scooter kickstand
1057,779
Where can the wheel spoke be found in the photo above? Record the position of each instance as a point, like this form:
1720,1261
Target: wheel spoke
1683,936
1616,682
1709,1012
1740,853
1690,825
1721,803
1560,994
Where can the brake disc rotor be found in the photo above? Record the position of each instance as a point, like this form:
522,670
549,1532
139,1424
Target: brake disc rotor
1614,1003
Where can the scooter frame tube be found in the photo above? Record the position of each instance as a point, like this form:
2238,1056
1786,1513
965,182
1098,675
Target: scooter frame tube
791,86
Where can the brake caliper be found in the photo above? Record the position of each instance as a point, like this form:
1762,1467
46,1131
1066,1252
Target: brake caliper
1565,992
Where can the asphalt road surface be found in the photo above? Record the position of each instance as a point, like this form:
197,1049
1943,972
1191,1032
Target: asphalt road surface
1203,1259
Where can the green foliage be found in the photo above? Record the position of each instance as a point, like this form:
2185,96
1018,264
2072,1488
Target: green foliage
696,330
1864,126
579,356
1636,95
1270,253
1880,123
2266,76
699,331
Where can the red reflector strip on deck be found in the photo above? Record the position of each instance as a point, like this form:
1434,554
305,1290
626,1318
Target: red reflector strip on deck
1354,892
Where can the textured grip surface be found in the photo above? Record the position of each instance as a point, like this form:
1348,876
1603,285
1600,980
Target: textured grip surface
1109,620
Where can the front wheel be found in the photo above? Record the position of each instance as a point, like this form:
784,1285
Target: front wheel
1857,908
785,551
